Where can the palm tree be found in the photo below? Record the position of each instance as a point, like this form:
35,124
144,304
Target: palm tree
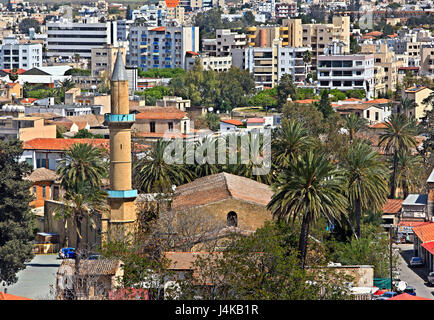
405,105
307,58
65,86
82,162
407,175
206,166
353,124
81,200
310,188
366,175
153,173
290,140
398,136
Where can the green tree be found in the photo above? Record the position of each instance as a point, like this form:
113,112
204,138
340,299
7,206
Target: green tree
309,189
286,88
399,135
28,23
82,162
354,124
324,104
153,173
86,134
13,75
408,173
366,175
16,219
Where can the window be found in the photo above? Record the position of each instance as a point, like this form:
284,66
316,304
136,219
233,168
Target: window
152,126
170,125
376,116
44,192
232,219
34,190
367,114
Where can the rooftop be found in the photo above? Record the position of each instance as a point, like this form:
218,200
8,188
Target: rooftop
42,174
425,232
61,143
90,267
160,113
416,199
232,121
392,206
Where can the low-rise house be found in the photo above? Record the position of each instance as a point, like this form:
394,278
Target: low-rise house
25,128
371,113
75,96
230,125
424,244
255,123
47,152
417,94
97,278
391,211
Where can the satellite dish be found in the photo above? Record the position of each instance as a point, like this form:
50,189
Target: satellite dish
402,285
210,109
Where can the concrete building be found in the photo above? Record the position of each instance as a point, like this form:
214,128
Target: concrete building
218,64
427,60
337,70
17,55
103,59
25,128
224,42
285,10
66,38
269,64
418,94
161,47
121,196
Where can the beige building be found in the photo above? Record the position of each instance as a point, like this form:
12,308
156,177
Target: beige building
224,42
103,59
75,96
386,67
418,94
176,13
25,128
427,60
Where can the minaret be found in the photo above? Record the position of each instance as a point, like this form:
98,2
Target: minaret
121,195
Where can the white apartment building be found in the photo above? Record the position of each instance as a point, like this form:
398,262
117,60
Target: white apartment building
16,55
337,70
161,47
66,38
218,64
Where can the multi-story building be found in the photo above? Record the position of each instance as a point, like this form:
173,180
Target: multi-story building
337,70
386,67
103,59
25,128
269,64
427,60
161,47
417,94
224,42
123,29
17,55
285,10
66,38
218,64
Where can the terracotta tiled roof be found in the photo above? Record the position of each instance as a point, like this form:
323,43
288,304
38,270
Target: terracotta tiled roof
90,267
159,29
377,101
352,106
374,33
192,53
379,125
412,223
62,144
392,206
353,99
255,120
7,296
429,246
232,121
160,135
19,71
94,120
161,113
219,187
28,100
42,174
306,101
406,296
425,232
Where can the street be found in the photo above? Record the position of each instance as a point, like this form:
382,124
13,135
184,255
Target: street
35,280
415,277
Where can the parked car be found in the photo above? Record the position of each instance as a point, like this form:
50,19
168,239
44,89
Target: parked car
94,257
415,262
67,253
387,295
431,278
410,290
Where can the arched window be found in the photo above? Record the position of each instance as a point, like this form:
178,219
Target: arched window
232,219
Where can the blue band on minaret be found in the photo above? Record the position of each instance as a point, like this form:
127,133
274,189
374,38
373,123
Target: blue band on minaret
122,193
112,117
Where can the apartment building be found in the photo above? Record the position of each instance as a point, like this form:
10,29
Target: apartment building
427,60
103,59
386,67
337,70
66,38
224,42
218,64
162,47
269,64
285,10
16,55
417,94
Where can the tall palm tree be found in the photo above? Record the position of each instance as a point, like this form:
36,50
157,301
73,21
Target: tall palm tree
310,188
206,166
290,140
153,173
405,105
353,124
407,175
399,135
81,200
82,162
366,176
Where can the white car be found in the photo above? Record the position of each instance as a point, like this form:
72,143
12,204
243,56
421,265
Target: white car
416,261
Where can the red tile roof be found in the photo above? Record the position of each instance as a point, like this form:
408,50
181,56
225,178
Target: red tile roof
232,121
62,144
192,53
392,206
306,101
374,33
379,125
159,29
412,223
429,246
19,71
255,120
378,101
425,232
353,99
28,100
160,135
